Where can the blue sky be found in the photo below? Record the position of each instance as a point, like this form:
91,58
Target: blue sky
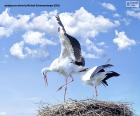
29,42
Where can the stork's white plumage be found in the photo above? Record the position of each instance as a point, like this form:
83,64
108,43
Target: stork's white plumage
70,60
98,75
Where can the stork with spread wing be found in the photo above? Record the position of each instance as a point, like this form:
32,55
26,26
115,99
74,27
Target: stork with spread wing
70,60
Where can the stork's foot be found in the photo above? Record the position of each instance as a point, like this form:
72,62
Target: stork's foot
95,97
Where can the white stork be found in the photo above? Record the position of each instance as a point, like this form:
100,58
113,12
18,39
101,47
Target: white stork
70,60
98,75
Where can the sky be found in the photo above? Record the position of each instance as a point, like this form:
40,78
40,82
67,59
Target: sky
106,29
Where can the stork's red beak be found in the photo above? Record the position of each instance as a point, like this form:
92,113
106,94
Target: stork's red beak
45,78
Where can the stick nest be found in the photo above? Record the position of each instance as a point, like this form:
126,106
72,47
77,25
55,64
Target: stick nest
87,107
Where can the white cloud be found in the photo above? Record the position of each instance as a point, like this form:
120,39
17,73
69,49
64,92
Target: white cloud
125,21
77,23
91,45
133,14
3,113
6,19
21,51
109,6
80,24
46,22
37,53
5,22
86,25
35,38
22,21
89,55
17,50
123,41
92,51
5,32
10,24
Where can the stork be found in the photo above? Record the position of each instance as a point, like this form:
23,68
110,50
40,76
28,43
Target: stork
98,75
70,60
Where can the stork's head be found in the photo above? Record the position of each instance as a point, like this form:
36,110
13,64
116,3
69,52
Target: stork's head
44,72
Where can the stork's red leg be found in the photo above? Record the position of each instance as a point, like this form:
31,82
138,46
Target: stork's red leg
65,89
96,91
65,83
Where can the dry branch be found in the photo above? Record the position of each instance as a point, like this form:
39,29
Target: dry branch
87,107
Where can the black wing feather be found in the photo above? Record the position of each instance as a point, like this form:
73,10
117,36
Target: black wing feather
101,69
109,75
76,49
79,60
60,23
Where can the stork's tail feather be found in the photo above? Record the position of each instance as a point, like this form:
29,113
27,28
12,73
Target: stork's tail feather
109,75
107,65
84,70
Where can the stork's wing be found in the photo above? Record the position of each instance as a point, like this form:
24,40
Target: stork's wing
70,47
60,23
76,50
100,69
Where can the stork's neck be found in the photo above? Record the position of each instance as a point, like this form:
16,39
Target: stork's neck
49,69
46,69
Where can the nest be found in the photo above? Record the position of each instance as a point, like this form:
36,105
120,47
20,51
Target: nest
87,107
